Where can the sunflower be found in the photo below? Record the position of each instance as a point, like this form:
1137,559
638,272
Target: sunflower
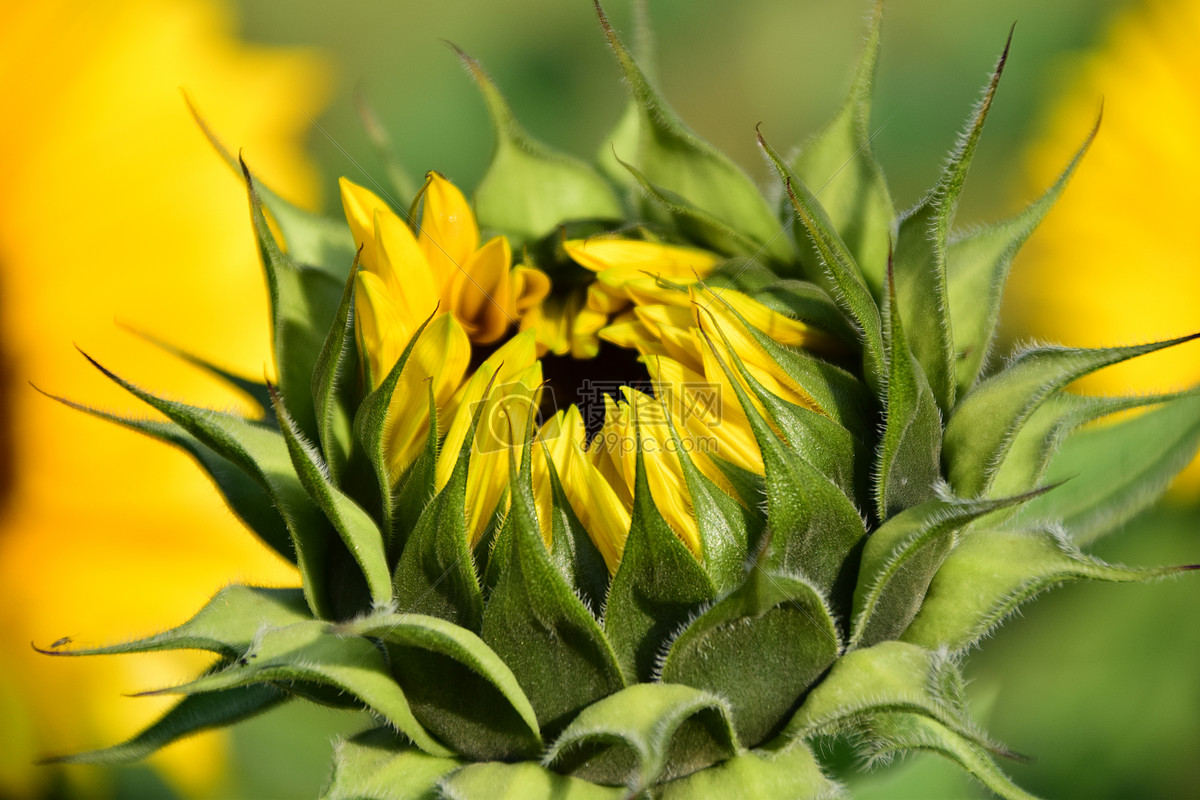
694,483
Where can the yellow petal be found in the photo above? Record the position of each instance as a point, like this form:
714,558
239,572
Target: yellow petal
612,450
630,335
720,323
383,332
664,475
595,502
659,318
449,235
549,327
680,344
632,257
645,290
782,329
530,287
605,299
503,428
514,356
585,330
737,442
439,360
481,292
360,206
695,406
402,265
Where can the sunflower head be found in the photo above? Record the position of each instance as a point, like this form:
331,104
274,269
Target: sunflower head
657,482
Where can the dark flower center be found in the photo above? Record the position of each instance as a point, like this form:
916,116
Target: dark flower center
585,383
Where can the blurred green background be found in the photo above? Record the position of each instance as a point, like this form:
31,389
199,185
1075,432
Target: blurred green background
1101,684
725,67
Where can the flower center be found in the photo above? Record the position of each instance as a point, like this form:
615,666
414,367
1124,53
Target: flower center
585,383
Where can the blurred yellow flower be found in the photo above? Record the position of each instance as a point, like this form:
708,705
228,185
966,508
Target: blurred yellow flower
1114,262
113,207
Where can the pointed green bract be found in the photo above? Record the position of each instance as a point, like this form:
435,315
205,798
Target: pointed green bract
243,494
459,687
416,489
304,303
920,261
359,533
812,527
644,734
312,652
841,167
992,573
370,429
1043,433
909,453
529,189
263,455
333,380
658,586
900,559
723,527
900,732
1111,472
980,431
436,573
189,716
674,158
623,137
845,279
379,765
887,677
534,622
572,551
977,265
226,625
760,647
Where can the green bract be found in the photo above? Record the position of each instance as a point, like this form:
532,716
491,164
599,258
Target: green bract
936,489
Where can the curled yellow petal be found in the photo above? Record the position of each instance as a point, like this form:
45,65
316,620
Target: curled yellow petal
481,292
530,286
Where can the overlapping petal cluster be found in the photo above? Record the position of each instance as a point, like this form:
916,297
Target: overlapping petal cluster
432,285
